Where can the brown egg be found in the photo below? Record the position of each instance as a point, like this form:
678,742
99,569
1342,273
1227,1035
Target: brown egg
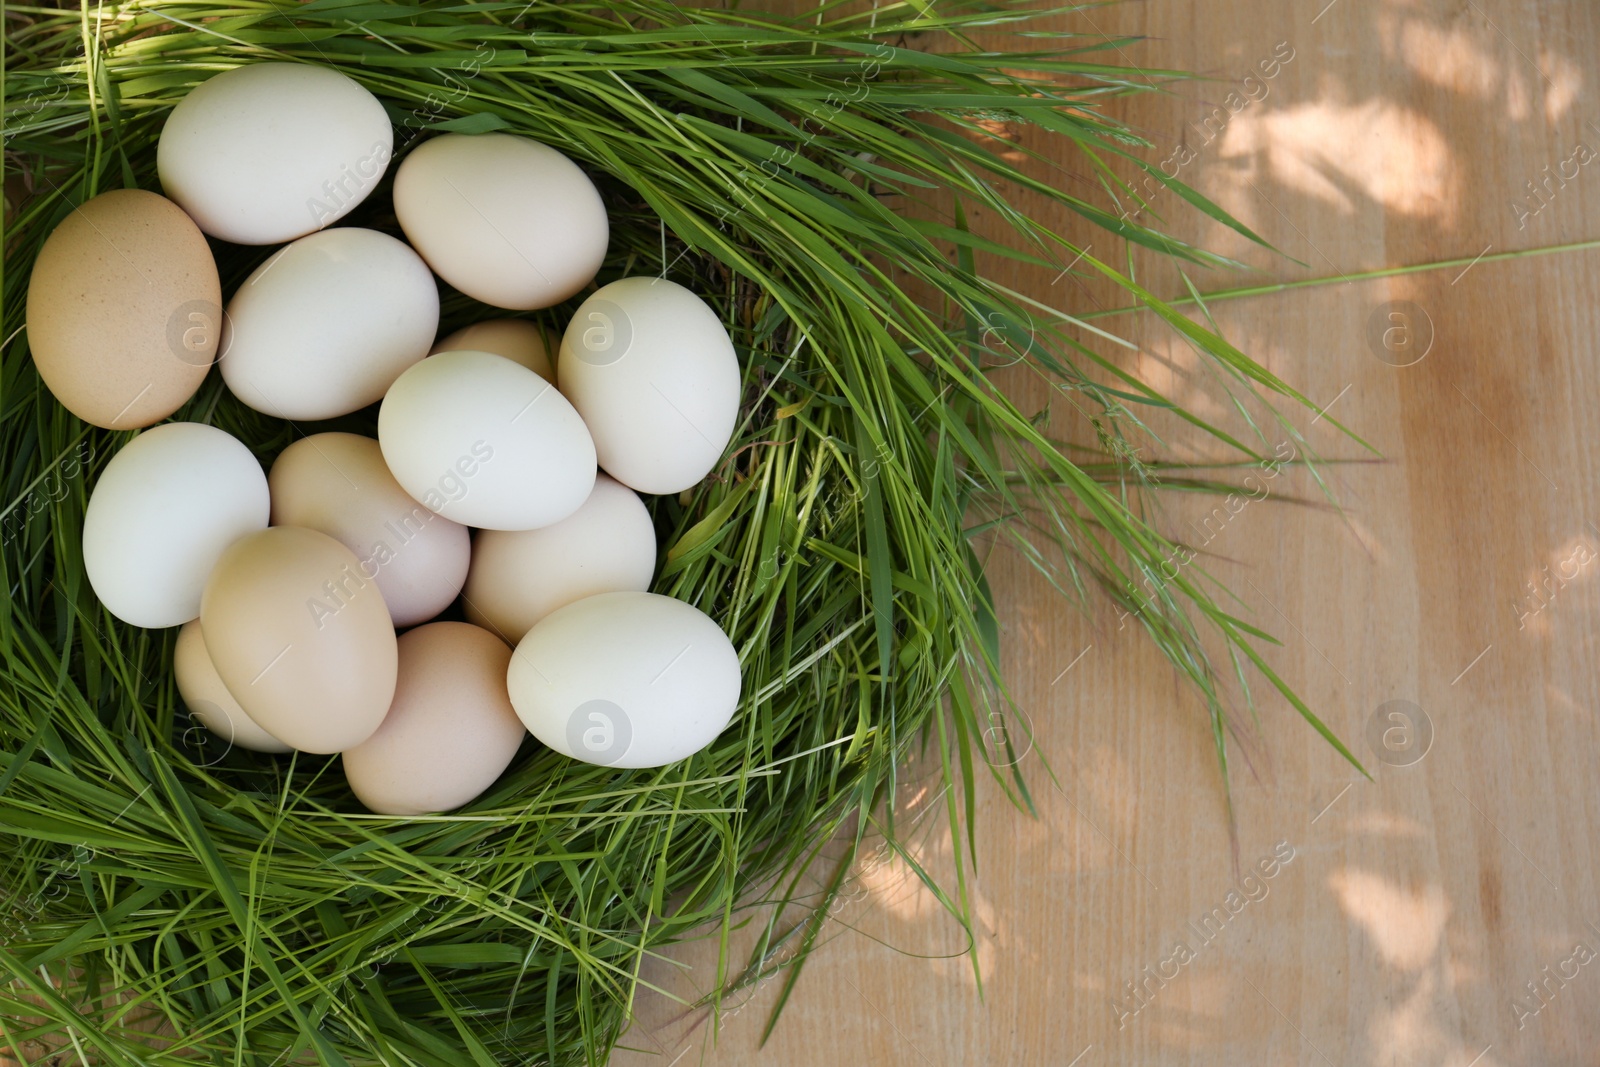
209,701
124,309
518,340
301,638
451,730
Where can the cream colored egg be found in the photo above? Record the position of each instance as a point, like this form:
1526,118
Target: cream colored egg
124,309
160,516
209,701
518,577
504,219
625,680
518,340
451,730
272,151
486,442
338,483
653,373
324,327
300,638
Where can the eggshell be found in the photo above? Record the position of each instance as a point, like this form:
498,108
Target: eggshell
324,327
124,309
653,373
451,730
519,577
486,442
625,680
163,511
504,219
300,638
337,483
518,340
209,700
272,151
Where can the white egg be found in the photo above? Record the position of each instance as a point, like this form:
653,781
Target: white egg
625,680
272,151
161,514
653,373
486,442
338,484
324,327
451,730
519,577
504,219
518,340
209,701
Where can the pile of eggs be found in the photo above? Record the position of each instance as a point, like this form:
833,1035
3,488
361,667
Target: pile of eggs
305,594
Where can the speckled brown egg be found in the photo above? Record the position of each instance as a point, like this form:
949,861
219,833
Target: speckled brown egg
124,309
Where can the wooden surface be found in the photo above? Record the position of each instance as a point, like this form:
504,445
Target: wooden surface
1416,909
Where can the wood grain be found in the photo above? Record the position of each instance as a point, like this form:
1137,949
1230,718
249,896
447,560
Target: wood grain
1415,910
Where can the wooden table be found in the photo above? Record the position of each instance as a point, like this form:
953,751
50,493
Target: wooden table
1446,913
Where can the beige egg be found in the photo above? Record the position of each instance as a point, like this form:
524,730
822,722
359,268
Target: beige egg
518,340
209,701
337,483
300,638
505,219
451,730
124,309
324,327
520,576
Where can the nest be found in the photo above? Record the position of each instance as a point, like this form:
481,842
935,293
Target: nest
173,900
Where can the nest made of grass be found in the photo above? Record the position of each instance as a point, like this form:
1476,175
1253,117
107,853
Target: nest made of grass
794,172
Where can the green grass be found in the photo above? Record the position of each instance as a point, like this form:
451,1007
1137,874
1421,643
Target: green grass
809,177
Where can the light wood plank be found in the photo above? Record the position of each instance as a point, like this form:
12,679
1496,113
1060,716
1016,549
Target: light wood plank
1418,907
